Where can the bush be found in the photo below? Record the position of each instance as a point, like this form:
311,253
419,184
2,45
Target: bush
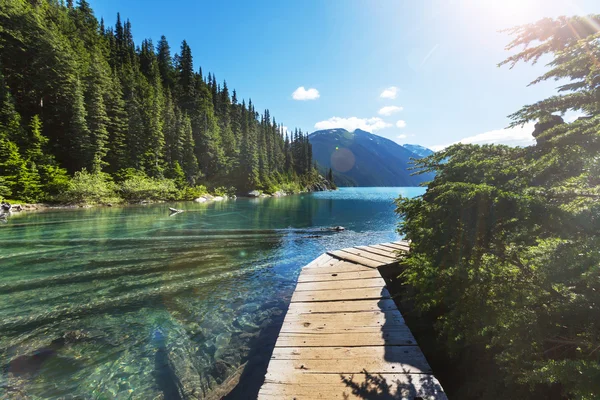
137,187
193,192
4,189
90,188
224,191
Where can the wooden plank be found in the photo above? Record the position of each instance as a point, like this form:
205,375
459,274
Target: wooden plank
396,246
350,318
340,276
343,322
351,360
385,253
351,386
371,256
399,337
336,295
373,365
356,259
393,251
341,306
341,285
322,259
340,266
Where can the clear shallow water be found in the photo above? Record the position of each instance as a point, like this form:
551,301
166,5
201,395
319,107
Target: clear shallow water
128,302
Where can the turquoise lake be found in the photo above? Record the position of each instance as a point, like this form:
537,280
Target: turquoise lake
129,302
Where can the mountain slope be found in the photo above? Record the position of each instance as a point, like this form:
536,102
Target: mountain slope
364,159
419,150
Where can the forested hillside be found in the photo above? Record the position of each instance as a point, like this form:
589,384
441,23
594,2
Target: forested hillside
505,242
79,95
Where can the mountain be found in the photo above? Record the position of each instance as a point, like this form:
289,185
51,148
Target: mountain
360,158
419,150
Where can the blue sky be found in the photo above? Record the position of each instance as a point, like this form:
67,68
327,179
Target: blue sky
439,55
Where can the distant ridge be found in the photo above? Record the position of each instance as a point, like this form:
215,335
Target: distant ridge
361,158
419,150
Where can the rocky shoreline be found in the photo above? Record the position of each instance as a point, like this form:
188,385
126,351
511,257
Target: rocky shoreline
201,199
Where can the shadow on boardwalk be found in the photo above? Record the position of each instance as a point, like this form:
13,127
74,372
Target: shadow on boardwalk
375,386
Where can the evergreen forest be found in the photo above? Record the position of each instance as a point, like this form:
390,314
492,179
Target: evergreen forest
88,115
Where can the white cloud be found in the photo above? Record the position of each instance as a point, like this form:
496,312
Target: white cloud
389,110
401,124
389,93
285,129
517,136
403,136
305,94
352,123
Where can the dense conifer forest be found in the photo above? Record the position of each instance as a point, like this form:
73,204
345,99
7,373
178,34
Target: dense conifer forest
87,115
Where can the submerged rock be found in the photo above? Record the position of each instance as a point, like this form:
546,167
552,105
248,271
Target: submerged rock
334,229
175,371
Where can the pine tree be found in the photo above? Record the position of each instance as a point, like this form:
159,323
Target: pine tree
79,133
165,63
189,162
289,158
37,142
186,83
117,127
97,119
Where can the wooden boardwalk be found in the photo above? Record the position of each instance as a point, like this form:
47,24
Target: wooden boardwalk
343,336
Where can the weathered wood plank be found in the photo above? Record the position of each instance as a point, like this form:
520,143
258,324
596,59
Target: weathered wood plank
341,285
394,252
351,386
399,337
356,259
373,365
389,253
396,246
321,260
336,295
342,306
338,267
372,321
371,256
339,276
351,360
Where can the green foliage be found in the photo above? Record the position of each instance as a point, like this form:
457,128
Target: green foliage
90,188
504,241
137,187
89,97
224,191
192,192
4,189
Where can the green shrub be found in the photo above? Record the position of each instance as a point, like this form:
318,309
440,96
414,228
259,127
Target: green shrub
137,187
4,189
224,191
193,192
90,188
